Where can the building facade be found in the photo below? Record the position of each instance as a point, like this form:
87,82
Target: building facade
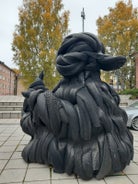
7,80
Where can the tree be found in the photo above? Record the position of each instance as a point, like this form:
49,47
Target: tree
118,32
42,26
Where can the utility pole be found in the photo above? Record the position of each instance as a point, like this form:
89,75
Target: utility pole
83,18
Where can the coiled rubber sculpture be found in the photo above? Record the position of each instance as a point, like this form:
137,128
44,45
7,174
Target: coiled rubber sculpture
78,127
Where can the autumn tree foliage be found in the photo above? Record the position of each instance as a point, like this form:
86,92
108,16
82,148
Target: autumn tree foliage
119,32
42,26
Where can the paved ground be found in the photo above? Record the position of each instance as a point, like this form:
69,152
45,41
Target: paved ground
14,170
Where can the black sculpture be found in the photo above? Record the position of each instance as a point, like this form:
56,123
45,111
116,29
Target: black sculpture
78,127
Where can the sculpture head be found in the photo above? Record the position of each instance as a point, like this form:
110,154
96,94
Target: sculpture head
83,51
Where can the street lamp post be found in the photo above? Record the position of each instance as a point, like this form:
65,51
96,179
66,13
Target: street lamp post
83,18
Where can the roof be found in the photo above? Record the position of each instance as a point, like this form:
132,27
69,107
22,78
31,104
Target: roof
2,63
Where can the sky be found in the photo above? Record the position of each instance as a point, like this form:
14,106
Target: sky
9,18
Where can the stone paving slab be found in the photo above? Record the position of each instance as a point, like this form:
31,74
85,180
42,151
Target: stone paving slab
118,180
133,178
38,182
64,181
37,174
12,175
13,169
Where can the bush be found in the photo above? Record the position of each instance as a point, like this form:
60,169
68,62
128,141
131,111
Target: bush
132,92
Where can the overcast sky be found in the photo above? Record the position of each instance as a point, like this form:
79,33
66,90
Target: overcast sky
9,18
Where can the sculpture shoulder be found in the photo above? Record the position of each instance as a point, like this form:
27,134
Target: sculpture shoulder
113,93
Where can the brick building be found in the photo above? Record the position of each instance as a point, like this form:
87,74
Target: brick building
7,80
